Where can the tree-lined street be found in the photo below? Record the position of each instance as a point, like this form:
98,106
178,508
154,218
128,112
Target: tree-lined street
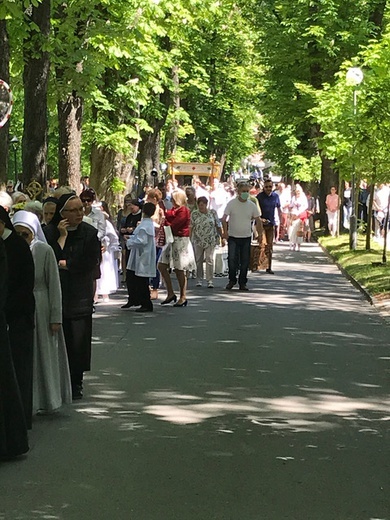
273,404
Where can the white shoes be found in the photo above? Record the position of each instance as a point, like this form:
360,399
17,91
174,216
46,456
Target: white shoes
210,285
199,284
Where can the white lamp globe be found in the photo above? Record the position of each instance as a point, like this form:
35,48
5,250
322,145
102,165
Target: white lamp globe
354,76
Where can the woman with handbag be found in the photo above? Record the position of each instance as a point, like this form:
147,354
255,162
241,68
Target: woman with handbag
179,254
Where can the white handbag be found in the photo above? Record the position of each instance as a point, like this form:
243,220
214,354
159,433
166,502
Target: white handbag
168,235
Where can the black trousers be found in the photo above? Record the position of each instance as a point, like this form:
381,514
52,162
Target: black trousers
138,290
78,340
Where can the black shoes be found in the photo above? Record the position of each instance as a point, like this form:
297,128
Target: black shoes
243,288
230,286
77,392
169,300
269,271
182,304
144,309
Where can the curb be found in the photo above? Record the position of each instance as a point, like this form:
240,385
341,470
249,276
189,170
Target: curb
382,308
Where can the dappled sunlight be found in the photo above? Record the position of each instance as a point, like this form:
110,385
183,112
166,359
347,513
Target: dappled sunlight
313,409
295,413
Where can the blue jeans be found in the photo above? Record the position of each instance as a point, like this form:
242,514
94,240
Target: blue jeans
239,252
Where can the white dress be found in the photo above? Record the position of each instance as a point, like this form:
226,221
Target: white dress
108,282
51,379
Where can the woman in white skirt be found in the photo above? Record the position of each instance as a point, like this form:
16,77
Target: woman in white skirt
51,379
178,255
298,207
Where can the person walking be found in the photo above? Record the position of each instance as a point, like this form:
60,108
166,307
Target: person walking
13,430
142,260
178,255
332,203
78,253
237,229
206,231
51,379
269,203
298,213
20,309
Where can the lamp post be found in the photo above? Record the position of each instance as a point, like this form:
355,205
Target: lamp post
15,143
154,174
354,77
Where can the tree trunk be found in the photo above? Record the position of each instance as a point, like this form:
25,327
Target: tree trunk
329,178
149,146
149,153
377,16
112,174
35,81
4,75
369,216
172,133
70,115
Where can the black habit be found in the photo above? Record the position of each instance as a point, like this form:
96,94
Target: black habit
13,429
82,255
19,311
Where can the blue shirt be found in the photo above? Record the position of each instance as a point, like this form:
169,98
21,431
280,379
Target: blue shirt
268,203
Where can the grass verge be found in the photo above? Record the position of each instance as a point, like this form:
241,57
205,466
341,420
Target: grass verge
375,279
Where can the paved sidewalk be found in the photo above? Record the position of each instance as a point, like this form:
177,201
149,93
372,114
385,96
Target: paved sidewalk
267,405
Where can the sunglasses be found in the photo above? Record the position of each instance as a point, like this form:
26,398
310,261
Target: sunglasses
86,200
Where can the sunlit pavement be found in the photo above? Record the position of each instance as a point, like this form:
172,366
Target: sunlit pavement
267,405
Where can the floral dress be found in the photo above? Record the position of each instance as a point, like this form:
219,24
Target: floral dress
204,228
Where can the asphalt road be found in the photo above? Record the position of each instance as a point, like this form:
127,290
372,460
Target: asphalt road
268,405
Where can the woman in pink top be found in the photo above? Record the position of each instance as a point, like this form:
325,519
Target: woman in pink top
332,203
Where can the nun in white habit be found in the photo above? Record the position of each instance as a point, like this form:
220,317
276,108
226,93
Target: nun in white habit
51,379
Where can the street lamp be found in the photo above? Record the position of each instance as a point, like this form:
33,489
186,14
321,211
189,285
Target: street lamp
154,174
14,144
354,77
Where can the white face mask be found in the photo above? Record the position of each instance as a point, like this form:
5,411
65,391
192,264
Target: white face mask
244,195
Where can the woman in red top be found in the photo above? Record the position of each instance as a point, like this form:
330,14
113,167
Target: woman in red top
179,255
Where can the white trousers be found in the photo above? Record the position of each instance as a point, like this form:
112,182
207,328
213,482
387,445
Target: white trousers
204,254
333,222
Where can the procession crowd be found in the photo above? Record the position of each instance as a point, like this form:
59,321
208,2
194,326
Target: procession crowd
59,258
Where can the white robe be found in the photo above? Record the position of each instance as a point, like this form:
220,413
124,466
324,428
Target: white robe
51,379
108,282
142,247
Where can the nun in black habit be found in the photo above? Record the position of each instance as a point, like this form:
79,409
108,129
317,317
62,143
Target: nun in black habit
13,429
19,309
78,251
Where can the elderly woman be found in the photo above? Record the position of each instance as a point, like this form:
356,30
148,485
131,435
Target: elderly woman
20,308
51,380
49,208
206,231
13,431
191,198
77,249
178,255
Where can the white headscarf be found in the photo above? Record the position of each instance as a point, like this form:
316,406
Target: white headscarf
30,221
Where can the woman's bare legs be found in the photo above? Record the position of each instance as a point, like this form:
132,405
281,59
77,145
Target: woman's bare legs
163,268
182,279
